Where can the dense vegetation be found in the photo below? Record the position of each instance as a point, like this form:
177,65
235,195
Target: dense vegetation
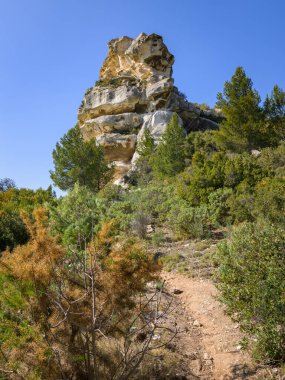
74,270
76,160
12,202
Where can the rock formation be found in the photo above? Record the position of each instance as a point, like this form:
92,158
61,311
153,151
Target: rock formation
136,91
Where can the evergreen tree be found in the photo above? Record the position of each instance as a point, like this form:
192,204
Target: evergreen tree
77,217
169,157
6,184
243,125
274,111
146,145
76,160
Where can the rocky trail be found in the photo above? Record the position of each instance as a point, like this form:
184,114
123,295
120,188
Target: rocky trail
210,341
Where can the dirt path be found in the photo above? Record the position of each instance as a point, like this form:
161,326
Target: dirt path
210,344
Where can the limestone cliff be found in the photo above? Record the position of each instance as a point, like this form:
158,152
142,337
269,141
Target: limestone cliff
136,91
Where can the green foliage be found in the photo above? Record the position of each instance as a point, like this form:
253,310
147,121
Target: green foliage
169,157
146,148
158,204
154,200
227,183
146,145
241,204
17,330
205,175
76,160
242,168
202,106
170,261
247,125
274,111
270,200
27,199
77,217
12,230
188,185
218,206
242,128
189,222
251,280
157,238
111,194
272,160
200,141
73,302
12,201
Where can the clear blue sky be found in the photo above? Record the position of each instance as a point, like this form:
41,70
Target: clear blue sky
51,51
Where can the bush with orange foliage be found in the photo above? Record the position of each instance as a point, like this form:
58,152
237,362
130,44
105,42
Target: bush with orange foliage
77,316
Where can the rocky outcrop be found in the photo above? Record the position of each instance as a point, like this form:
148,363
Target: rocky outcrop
156,122
136,91
143,57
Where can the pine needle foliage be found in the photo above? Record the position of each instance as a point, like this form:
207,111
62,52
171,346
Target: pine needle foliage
240,103
169,157
77,160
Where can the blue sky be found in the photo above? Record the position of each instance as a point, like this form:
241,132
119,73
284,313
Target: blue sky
51,52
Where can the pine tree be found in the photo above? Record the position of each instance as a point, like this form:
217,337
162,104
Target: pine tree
169,157
243,125
146,145
76,160
274,112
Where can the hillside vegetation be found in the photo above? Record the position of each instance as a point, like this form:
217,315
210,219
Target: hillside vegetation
80,293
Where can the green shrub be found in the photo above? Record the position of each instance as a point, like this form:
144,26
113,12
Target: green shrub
110,194
241,204
252,283
270,199
170,261
272,160
205,175
218,206
242,168
12,230
157,238
12,202
199,141
77,217
189,222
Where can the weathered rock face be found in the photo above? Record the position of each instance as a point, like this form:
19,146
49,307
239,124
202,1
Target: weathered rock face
156,122
144,57
135,92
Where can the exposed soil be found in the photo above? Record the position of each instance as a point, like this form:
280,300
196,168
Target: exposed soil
210,341
210,345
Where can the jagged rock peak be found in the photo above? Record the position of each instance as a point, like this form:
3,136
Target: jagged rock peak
135,92
145,57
